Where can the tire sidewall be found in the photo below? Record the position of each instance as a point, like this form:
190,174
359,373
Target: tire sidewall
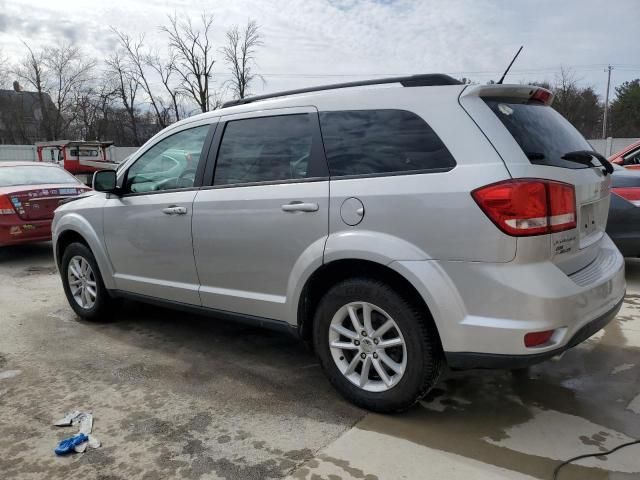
408,389
102,297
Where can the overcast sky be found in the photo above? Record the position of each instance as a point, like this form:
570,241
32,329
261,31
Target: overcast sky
310,42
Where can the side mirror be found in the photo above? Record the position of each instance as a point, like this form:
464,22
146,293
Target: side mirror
105,181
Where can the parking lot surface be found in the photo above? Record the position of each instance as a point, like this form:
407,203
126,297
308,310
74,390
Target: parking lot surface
181,396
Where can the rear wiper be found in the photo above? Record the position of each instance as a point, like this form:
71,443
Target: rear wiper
585,157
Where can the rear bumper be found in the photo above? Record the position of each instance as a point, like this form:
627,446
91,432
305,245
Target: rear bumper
470,360
484,310
14,231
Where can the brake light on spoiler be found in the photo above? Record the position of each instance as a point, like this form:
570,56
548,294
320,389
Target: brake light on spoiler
528,206
541,95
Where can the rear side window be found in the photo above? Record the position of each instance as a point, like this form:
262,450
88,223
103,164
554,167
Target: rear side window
373,142
542,133
265,149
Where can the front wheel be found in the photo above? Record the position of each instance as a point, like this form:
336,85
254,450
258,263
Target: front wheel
83,285
377,348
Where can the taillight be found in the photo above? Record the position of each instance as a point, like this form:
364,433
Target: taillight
6,208
535,339
526,207
630,194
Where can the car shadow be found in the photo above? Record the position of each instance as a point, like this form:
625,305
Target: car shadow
26,254
200,352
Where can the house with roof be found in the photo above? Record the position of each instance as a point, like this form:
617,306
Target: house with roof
22,116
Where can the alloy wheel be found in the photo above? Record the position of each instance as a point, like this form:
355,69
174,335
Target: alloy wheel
82,282
367,346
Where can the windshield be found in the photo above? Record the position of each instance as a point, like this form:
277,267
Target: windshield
542,133
34,175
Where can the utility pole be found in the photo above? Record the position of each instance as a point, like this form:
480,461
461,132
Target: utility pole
606,102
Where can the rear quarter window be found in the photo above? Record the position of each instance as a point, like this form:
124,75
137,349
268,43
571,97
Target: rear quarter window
542,133
375,142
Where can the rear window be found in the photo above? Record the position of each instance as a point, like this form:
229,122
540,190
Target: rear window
34,175
542,133
370,142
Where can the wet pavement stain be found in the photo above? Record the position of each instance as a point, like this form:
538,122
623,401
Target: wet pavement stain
345,465
471,408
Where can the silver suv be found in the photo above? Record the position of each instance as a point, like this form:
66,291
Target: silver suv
397,225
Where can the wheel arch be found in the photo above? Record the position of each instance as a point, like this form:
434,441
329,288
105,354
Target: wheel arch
333,272
74,228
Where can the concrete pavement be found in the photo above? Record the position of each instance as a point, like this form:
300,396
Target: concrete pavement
180,396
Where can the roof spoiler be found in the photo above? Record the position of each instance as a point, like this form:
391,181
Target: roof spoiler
526,92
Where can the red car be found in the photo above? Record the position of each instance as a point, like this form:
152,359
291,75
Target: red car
628,157
29,194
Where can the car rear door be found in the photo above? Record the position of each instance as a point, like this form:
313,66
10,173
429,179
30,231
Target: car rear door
147,230
265,212
531,137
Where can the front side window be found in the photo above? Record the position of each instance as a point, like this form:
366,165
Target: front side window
170,164
370,142
265,149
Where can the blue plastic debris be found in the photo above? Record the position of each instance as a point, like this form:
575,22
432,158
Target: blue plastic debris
68,444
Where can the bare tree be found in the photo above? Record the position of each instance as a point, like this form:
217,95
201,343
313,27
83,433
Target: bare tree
580,105
57,74
4,70
138,60
239,55
69,74
126,84
166,68
193,51
93,107
31,70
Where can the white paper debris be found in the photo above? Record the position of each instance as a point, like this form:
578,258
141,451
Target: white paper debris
85,420
68,419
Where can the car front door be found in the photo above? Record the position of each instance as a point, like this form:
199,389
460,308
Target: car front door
147,229
265,212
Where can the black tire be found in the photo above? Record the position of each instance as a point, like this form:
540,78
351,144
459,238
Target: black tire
104,305
424,358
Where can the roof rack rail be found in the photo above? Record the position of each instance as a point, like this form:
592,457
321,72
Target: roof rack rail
424,80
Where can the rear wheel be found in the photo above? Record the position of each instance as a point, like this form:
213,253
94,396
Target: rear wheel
83,285
378,349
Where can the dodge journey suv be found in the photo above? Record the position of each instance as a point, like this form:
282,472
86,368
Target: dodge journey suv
398,226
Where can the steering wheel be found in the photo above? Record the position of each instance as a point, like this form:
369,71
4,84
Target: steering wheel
297,163
183,177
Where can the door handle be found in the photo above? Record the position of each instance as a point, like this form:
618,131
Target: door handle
300,207
174,210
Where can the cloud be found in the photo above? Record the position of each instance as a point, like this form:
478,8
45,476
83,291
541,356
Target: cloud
323,41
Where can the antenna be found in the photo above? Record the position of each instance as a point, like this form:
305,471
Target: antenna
509,67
